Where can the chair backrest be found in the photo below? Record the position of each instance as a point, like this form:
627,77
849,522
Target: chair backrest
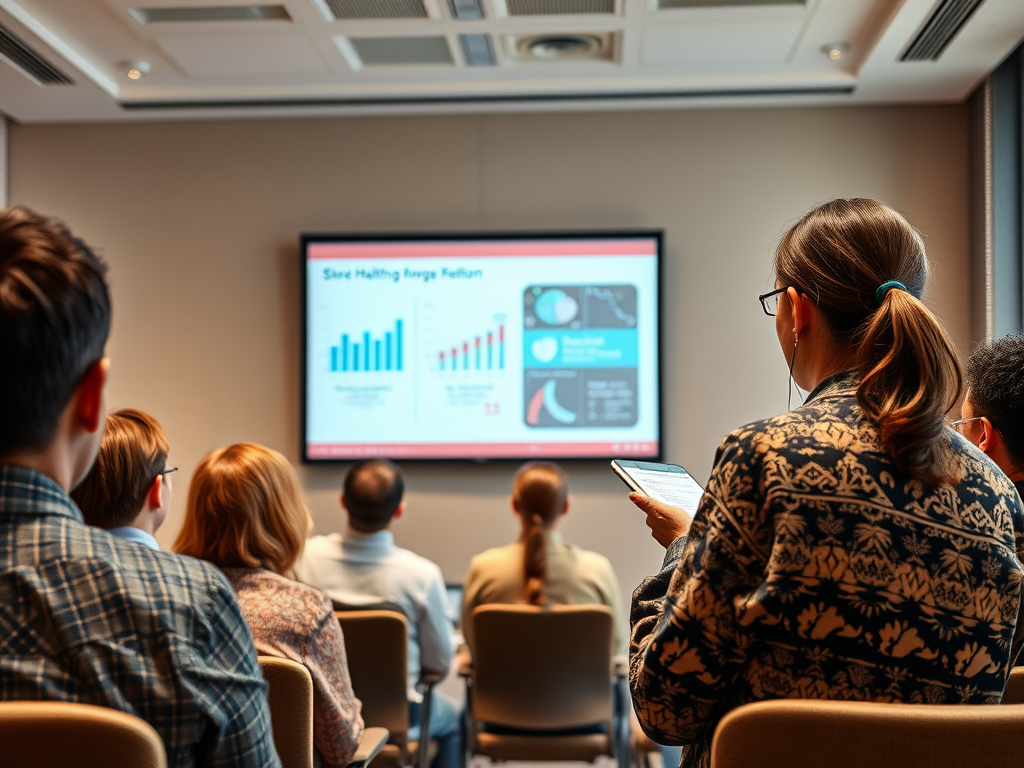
1014,691
542,667
291,710
45,734
794,733
377,646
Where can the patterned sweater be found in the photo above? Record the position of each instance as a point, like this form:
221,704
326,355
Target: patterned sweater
815,568
296,622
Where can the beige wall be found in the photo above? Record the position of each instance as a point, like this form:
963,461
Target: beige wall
200,224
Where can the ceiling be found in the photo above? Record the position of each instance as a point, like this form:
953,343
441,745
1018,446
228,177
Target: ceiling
300,57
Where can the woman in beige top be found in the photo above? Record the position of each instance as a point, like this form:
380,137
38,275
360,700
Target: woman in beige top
540,568
245,515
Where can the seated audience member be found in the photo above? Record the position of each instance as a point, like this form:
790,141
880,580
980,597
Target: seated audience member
854,548
99,620
364,566
992,415
128,490
245,514
540,568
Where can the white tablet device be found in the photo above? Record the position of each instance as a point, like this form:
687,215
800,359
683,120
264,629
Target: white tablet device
668,483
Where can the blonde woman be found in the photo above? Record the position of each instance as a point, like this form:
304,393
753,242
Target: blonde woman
245,515
540,568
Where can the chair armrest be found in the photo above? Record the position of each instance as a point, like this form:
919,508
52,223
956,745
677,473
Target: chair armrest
428,680
370,745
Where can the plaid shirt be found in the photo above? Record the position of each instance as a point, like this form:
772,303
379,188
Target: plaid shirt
87,618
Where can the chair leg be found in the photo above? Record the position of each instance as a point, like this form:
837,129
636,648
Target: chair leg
423,758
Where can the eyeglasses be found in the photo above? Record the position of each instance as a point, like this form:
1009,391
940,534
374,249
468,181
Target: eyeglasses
958,425
167,471
770,301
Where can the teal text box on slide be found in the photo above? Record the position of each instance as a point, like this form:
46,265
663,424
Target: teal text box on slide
587,348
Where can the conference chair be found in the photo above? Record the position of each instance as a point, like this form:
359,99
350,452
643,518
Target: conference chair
803,733
291,717
1014,691
541,684
377,646
48,734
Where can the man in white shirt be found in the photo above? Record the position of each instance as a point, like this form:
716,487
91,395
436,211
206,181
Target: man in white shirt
363,566
128,490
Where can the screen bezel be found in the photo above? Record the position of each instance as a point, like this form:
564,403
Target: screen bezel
307,239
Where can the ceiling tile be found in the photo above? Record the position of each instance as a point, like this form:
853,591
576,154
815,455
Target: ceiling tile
706,43
252,55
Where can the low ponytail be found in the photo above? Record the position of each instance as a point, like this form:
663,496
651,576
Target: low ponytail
910,378
539,495
865,268
535,560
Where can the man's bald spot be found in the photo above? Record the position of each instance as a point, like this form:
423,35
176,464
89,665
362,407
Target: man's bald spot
373,492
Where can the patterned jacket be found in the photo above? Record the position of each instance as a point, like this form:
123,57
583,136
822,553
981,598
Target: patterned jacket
815,568
293,621
88,618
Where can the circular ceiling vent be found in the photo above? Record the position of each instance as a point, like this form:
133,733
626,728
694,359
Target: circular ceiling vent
560,46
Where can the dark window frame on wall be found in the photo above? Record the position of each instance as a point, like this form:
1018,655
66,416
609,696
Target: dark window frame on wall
1006,208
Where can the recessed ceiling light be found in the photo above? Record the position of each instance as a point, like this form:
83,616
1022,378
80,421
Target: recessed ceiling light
136,70
835,51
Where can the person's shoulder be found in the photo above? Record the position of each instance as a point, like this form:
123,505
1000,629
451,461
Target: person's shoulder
278,596
494,554
180,575
413,561
322,545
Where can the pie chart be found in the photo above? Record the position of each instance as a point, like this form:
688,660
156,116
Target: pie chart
556,307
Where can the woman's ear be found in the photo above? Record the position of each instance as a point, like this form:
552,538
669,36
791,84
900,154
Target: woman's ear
802,308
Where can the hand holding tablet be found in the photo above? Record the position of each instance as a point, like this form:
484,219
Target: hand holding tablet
666,493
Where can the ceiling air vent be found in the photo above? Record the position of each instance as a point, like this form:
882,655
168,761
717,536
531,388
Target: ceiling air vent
558,7
940,29
387,51
561,47
28,62
211,13
723,3
377,9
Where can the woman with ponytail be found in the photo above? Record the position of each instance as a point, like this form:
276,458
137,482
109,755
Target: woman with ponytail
854,548
540,568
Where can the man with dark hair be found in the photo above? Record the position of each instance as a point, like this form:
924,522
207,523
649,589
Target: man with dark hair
992,415
98,620
128,490
364,566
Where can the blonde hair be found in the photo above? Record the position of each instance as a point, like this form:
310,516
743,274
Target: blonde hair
244,510
132,453
839,255
539,493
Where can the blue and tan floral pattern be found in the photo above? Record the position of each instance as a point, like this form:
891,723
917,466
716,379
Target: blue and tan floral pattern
815,568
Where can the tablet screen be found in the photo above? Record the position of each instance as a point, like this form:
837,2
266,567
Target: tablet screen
676,488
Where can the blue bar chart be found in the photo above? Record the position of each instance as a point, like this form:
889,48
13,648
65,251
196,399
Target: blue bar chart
365,353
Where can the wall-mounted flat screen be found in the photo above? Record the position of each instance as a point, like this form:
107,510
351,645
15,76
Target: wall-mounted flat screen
481,346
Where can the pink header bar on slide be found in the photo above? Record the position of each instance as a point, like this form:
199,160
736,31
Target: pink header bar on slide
640,448
411,249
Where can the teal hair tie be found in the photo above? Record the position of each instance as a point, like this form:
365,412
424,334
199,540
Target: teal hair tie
884,288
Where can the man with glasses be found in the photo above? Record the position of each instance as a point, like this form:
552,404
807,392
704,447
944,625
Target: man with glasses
128,490
993,410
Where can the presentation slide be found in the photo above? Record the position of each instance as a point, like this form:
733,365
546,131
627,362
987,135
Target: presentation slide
484,348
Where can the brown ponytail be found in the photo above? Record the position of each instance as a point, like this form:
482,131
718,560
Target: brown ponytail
539,493
839,255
